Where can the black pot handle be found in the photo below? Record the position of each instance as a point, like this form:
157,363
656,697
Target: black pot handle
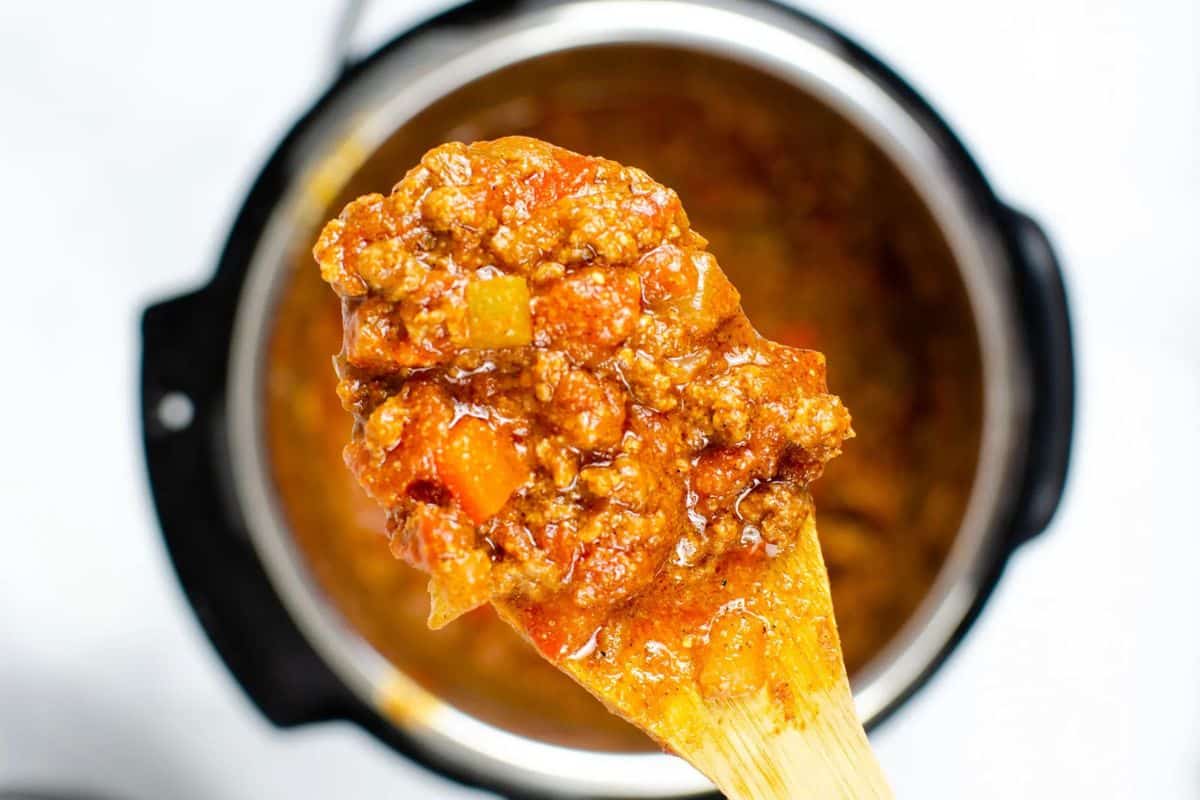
1047,329
185,343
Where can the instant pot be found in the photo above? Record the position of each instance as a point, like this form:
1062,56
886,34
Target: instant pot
202,379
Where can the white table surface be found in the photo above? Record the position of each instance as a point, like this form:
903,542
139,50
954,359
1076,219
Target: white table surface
1081,680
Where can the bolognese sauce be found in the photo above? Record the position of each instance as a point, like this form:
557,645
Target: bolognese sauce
560,404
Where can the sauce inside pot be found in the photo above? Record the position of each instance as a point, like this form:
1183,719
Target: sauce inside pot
812,222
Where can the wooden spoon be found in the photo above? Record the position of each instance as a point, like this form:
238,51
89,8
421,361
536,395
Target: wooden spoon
608,452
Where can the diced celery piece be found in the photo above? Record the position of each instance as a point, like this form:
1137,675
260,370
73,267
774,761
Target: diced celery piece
498,312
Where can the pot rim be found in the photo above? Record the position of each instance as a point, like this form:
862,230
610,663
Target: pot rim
373,103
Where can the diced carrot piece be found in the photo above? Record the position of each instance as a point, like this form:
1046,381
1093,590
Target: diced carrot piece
480,467
498,312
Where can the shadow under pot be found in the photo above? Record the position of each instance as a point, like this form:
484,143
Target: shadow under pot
842,207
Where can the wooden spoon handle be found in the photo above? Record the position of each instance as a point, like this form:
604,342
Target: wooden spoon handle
827,758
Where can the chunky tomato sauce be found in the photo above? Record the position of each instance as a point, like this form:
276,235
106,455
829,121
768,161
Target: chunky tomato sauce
561,405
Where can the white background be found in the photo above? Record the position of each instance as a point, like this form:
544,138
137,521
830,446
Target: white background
128,134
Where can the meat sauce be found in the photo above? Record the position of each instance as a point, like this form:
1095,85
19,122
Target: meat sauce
561,404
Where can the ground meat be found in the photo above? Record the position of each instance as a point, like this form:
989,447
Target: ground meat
558,399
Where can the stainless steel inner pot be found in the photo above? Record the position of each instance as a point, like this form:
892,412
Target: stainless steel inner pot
379,98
